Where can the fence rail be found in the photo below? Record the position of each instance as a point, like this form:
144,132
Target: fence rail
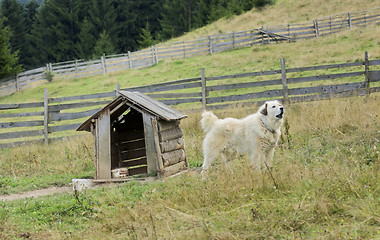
57,117
202,46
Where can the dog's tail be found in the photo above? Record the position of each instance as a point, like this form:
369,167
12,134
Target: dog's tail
208,120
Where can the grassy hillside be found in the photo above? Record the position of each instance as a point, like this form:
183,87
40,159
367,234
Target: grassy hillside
343,47
326,168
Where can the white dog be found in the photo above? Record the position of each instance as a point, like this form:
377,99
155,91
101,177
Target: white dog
256,135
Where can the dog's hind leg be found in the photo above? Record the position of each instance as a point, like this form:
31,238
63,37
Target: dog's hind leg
212,147
256,160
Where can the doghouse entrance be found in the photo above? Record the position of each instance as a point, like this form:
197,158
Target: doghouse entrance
128,148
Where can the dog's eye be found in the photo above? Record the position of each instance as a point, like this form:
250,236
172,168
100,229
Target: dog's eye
274,107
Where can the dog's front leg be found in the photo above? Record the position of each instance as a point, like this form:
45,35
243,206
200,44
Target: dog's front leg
256,160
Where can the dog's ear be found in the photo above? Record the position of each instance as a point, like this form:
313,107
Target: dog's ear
264,111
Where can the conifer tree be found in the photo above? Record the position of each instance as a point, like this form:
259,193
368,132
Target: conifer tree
8,59
146,38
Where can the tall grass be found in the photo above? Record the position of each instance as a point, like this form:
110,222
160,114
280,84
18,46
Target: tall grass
324,185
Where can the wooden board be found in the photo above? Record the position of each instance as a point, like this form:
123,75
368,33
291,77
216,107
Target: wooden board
104,142
153,152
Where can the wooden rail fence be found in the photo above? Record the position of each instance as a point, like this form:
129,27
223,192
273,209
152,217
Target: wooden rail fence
201,46
59,117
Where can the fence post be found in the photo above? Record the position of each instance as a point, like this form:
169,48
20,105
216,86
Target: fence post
117,89
367,78
46,116
233,40
76,68
104,67
284,81
316,28
184,49
130,60
204,90
17,86
155,53
153,57
349,20
210,44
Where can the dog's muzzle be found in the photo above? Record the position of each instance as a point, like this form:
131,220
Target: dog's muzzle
281,114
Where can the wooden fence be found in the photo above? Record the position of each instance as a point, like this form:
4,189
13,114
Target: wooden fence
57,117
202,46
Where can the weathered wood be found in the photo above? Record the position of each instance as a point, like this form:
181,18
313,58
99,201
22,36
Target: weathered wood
153,152
21,124
170,134
265,94
244,85
374,76
204,89
168,171
171,158
172,145
324,77
138,170
46,116
63,127
166,125
135,162
133,154
284,81
20,134
367,78
327,89
104,143
23,114
54,116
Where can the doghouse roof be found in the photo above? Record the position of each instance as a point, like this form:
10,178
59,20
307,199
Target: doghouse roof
137,101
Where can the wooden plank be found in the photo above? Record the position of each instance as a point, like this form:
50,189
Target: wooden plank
130,145
176,168
138,170
204,89
243,75
171,158
374,76
172,145
70,116
21,105
131,135
327,89
265,94
20,134
166,125
243,85
134,163
133,154
59,107
21,124
323,67
104,141
82,97
170,134
153,153
23,114
324,77
63,128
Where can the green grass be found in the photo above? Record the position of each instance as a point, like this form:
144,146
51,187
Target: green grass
326,168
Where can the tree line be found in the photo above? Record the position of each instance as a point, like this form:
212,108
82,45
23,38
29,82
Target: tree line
32,34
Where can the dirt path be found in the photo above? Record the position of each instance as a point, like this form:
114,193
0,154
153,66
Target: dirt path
36,193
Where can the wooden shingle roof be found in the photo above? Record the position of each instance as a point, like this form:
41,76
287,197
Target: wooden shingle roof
139,102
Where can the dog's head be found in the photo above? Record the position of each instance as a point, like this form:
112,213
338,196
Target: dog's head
272,109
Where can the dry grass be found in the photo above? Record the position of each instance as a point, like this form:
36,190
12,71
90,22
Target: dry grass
282,12
325,168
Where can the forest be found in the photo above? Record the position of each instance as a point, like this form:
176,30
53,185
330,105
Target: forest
33,34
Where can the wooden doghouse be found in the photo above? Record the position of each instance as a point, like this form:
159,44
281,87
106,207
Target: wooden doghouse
135,134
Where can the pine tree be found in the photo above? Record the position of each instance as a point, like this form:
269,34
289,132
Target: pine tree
103,46
54,32
87,40
8,59
146,38
14,13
